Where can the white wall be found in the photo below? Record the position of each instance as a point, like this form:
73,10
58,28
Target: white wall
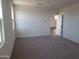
5,51
71,22
32,21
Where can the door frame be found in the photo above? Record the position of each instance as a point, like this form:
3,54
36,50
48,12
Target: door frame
62,23
59,24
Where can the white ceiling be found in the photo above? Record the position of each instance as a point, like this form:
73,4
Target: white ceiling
44,3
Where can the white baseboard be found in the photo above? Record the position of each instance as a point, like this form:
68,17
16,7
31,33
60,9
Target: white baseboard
4,57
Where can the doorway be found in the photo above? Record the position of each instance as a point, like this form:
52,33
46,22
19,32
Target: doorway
59,25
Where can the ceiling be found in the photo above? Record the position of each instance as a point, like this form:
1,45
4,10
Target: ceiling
44,3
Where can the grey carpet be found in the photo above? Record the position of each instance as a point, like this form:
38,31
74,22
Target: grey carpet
45,47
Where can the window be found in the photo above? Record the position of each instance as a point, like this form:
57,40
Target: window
1,27
12,12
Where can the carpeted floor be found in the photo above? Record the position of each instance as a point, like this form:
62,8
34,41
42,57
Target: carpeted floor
45,47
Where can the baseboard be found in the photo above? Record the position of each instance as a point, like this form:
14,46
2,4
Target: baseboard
32,37
4,57
69,40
